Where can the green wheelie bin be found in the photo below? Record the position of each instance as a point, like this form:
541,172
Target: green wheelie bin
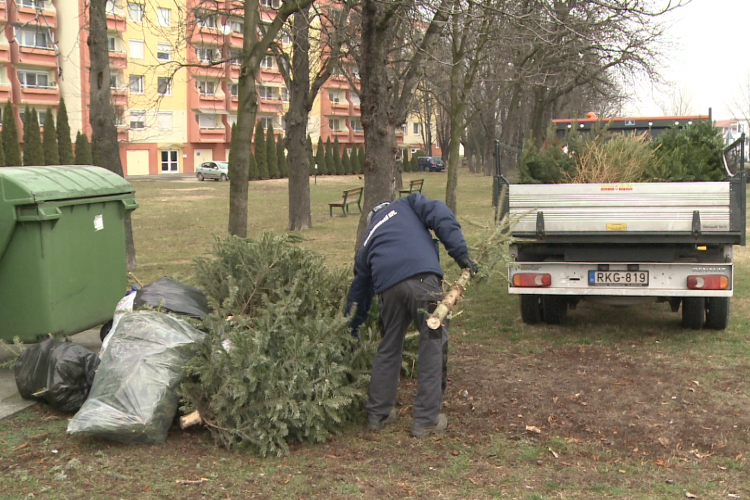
62,248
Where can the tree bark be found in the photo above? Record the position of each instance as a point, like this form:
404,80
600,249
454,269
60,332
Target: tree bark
102,115
253,49
296,125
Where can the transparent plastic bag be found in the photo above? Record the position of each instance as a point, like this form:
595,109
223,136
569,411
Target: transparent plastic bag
136,389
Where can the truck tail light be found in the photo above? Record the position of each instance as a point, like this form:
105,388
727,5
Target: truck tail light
532,279
708,282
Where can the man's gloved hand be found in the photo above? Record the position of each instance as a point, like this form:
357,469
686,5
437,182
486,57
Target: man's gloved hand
467,263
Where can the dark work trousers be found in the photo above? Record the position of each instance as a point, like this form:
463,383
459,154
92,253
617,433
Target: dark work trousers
407,302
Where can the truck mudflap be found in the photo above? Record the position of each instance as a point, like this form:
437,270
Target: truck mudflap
621,279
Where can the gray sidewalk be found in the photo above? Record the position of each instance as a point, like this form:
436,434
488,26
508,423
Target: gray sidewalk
10,401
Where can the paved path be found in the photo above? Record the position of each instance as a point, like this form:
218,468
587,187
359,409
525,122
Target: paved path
10,401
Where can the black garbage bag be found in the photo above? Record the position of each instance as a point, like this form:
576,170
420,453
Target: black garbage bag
58,373
173,296
136,389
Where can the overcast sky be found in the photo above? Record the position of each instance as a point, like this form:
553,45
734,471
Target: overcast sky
709,59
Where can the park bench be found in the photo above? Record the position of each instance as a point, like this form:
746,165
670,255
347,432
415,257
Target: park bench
351,196
414,186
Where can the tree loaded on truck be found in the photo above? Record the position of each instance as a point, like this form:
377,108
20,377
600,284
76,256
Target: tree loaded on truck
628,242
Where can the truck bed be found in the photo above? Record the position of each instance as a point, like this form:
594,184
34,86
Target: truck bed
674,212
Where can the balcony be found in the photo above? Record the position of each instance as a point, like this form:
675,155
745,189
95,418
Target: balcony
118,59
35,56
116,20
27,14
5,90
40,95
119,96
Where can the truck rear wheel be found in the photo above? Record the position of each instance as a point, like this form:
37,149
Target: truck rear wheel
555,309
717,313
693,312
531,309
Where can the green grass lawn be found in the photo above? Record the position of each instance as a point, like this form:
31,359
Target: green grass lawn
626,402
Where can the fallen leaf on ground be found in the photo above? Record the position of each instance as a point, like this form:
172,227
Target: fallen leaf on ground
534,429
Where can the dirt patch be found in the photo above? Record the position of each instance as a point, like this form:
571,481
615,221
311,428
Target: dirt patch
628,402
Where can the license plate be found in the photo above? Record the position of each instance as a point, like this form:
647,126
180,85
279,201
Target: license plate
618,278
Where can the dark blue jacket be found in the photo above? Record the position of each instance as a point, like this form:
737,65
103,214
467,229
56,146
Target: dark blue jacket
398,244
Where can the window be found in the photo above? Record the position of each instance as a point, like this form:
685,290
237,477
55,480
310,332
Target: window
163,16
111,44
274,4
416,126
164,85
135,12
207,54
34,79
110,7
136,48
206,20
136,84
336,16
234,89
137,120
206,87
334,97
169,161
237,25
165,120
356,124
163,52
31,37
231,120
266,92
265,122
286,39
209,121
401,129
354,98
334,124
235,56
113,81
34,4
284,94
268,62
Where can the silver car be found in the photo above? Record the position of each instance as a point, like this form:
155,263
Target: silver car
218,170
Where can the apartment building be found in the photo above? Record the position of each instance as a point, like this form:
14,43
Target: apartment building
28,56
174,66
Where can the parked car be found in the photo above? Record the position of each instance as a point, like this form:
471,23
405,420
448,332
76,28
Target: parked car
218,170
430,164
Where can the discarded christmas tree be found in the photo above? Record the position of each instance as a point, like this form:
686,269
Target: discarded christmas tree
285,368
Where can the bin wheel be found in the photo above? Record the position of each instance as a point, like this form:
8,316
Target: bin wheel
106,327
693,312
555,309
200,177
223,178
717,313
531,309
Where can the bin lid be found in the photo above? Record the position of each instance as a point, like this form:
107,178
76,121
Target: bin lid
28,185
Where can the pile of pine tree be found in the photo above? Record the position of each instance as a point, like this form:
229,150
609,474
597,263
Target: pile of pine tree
279,363
692,153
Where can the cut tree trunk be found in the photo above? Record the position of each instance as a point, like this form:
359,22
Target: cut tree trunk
451,298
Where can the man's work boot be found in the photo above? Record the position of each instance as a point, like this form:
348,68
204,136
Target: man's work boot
378,425
422,432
